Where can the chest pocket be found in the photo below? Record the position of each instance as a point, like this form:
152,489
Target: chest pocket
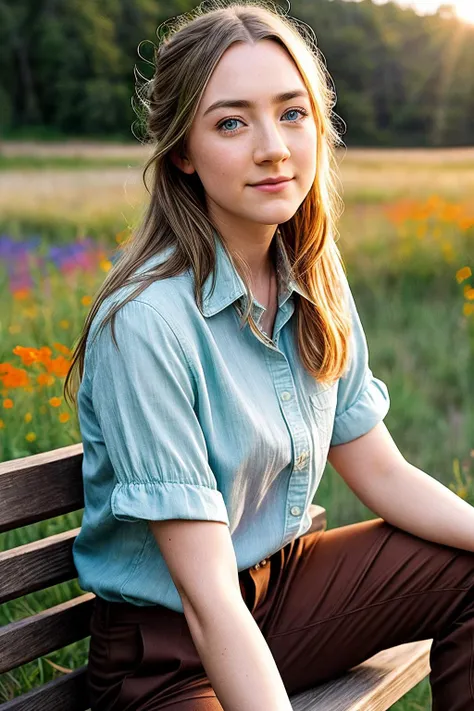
323,403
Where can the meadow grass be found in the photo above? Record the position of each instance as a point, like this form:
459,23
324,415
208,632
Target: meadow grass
407,237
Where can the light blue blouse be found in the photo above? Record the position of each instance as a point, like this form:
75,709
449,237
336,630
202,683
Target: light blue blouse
196,418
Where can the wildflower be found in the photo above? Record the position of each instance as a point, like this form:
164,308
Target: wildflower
28,417
55,401
21,294
62,349
63,417
468,309
16,378
30,437
469,293
64,324
45,379
463,274
86,300
8,404
105,265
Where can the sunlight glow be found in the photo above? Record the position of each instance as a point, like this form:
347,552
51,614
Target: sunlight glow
464,8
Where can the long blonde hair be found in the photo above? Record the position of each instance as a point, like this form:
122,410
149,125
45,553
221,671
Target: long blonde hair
190,47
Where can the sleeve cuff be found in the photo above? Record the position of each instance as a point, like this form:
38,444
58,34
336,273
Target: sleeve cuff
369,409
158,501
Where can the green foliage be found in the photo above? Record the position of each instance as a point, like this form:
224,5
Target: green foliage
401,79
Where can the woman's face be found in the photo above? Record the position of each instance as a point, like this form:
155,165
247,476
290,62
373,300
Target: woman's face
232,147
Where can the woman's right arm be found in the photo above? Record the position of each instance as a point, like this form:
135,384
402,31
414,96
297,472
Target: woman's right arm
232,649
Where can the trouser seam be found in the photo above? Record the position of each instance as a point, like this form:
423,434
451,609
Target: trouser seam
365,607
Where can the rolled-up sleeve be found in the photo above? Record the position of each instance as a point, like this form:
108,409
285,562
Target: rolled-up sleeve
362,400
143,395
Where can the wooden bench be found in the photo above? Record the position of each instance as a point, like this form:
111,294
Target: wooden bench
42,486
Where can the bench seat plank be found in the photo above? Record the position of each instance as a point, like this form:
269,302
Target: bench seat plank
45,632
37,565
374,685
66,693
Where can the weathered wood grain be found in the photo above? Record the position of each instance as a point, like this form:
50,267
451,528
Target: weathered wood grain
374,685
41,486
66,693
49,630
37,565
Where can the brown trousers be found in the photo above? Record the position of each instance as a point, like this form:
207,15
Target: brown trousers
325,602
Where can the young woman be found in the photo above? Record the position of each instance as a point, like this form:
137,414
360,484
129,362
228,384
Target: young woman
222,364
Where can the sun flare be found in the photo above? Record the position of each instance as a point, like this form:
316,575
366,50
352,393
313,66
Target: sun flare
464,9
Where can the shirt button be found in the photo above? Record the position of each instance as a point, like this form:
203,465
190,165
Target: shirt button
285,395
295,511
263,562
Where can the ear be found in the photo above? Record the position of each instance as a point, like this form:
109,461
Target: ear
181,161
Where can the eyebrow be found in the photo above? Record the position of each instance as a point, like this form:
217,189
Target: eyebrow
243,103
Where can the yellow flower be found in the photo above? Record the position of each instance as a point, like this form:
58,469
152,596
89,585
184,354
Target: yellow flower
463,274
8,404
28,417
30,437
2,424
86,300
469,293
64,324
55,401
105,265
63,417
468,309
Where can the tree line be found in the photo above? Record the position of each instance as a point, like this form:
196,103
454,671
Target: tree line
67,68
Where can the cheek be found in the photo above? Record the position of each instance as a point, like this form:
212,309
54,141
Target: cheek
221,166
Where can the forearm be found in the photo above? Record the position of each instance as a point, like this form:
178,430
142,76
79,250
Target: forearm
236,657
410,499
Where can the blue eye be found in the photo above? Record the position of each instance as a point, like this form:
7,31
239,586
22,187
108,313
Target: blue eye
221,129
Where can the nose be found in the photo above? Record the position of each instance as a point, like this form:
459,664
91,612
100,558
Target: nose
270,145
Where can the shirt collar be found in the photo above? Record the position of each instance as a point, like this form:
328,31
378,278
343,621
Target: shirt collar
229,285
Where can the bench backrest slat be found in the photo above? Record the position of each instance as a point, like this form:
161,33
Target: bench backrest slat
41,486
66,693
45,632
38,565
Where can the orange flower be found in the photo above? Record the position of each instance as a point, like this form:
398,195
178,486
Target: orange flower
469,293
463,274
86,300
21,294
55,401
62,349
468,309
45,379
8,404
63,417
59,366
27,355
16,378
64,324
105,265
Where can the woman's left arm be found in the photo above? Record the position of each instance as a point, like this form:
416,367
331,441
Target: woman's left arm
400,493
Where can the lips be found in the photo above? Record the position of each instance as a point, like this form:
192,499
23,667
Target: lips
272,181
